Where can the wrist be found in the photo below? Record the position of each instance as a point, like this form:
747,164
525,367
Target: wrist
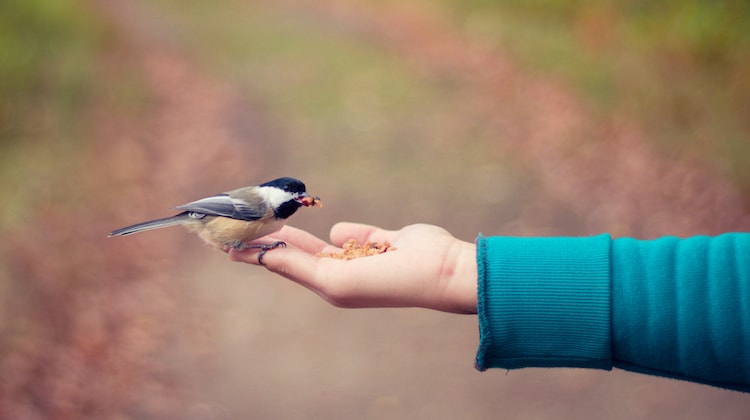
463,283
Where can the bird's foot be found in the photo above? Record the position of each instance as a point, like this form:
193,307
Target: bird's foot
263,248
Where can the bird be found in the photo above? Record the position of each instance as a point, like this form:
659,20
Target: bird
234,219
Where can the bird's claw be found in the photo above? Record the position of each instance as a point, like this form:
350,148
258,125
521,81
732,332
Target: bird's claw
263,248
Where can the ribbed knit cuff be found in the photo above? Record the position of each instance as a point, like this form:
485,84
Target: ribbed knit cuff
544,302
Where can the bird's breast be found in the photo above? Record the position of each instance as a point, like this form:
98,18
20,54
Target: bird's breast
223,231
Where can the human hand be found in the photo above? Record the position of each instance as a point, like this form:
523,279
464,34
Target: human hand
429,267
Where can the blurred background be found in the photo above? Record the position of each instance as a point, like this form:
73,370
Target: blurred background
538,118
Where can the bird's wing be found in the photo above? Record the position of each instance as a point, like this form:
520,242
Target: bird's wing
226,206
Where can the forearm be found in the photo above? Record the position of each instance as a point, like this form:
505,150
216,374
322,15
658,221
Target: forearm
681,308
676,308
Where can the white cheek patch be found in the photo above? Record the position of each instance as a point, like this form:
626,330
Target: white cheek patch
275,196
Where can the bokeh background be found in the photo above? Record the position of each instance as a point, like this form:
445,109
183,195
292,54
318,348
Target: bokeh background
537,118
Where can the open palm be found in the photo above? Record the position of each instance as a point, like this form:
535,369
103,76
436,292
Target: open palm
429,268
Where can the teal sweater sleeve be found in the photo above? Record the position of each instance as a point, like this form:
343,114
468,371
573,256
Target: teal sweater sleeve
671,307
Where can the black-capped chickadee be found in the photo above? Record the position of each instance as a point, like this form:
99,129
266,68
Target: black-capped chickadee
238,217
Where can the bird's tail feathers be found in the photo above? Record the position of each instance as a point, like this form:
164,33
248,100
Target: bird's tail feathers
151,224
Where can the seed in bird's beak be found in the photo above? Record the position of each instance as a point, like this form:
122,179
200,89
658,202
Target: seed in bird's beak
309,200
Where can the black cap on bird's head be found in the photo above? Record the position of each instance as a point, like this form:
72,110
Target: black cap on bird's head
288,184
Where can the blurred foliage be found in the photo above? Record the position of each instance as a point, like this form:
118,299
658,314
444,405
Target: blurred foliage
47,48
679,67
45,61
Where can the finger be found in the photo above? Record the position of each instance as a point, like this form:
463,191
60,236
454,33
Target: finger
248,255
296,265
344,231
359,283
300,239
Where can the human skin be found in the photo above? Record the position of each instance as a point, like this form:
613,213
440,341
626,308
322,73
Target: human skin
429,267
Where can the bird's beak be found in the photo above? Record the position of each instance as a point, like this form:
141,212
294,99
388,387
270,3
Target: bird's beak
308,200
